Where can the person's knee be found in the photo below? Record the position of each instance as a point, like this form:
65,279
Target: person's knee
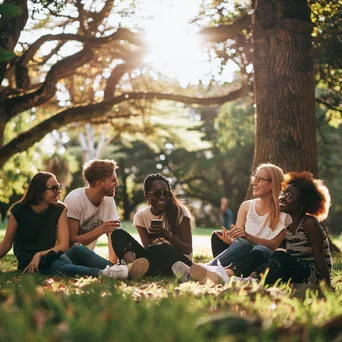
279,256
214,237
78,250
242,241
267,252
118,234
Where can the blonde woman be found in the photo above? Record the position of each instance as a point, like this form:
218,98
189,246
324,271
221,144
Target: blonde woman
260,225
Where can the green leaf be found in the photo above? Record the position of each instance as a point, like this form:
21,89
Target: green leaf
6,55
10,10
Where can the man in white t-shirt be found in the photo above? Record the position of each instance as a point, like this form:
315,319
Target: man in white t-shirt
91,211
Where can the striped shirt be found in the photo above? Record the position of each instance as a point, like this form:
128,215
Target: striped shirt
298,246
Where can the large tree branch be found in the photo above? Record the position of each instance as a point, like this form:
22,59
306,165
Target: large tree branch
118,72
92,42
222,33
82,113
18,103
81,15
21,70
99,16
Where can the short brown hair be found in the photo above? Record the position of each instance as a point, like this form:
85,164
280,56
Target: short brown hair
98,169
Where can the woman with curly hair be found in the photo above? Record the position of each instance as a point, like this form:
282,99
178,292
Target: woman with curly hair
306,257
164,229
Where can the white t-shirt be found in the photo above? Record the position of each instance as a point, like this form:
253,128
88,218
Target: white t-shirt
80,208
143,219
256,226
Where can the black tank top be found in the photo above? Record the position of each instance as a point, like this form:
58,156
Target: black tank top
35,232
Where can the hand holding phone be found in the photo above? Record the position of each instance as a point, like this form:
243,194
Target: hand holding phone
157,228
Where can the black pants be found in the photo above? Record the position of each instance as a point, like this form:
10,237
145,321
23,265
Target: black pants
161,257
285,266
247,265
217,245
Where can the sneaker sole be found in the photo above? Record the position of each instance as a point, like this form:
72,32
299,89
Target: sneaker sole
201,274
181,272
139,268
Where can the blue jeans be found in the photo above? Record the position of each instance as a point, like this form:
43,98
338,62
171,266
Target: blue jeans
78,260
238,250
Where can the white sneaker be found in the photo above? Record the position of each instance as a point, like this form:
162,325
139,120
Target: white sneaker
181,271
116,272
202,273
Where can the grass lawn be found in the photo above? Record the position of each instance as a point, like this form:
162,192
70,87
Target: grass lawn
38,308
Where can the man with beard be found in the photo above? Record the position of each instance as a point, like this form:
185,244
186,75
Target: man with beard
91,212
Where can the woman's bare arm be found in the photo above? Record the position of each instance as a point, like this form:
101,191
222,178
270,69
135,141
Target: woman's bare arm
7,242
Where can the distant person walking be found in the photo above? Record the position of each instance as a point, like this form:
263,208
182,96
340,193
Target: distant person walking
227,214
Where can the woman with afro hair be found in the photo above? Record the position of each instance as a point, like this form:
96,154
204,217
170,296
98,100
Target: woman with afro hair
306,257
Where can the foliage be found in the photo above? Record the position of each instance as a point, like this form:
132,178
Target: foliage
80,69
16,173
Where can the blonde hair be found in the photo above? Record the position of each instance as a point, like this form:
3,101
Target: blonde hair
276,175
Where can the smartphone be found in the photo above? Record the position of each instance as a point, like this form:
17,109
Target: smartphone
156,223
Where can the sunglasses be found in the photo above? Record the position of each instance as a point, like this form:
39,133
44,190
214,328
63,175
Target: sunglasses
287,195
257,179
55,188
158,193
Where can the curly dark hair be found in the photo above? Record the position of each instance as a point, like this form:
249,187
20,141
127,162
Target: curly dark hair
315,196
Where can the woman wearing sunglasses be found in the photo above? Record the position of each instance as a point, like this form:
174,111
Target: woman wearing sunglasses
164,229
38,230
260,226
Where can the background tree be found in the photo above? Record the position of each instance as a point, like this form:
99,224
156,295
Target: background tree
83,71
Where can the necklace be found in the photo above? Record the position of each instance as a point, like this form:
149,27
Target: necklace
300,223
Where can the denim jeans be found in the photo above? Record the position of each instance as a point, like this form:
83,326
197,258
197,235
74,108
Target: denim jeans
78,260
83,256
238,250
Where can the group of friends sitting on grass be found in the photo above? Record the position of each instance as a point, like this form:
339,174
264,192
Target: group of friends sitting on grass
277,235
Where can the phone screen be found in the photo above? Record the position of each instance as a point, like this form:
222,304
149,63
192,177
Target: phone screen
156,223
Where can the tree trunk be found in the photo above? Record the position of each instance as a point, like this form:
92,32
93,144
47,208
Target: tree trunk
284,88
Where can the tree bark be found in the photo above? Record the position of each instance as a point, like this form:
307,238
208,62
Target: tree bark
284,88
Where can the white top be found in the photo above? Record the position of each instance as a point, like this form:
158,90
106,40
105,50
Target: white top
143,219
257,226
80,208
